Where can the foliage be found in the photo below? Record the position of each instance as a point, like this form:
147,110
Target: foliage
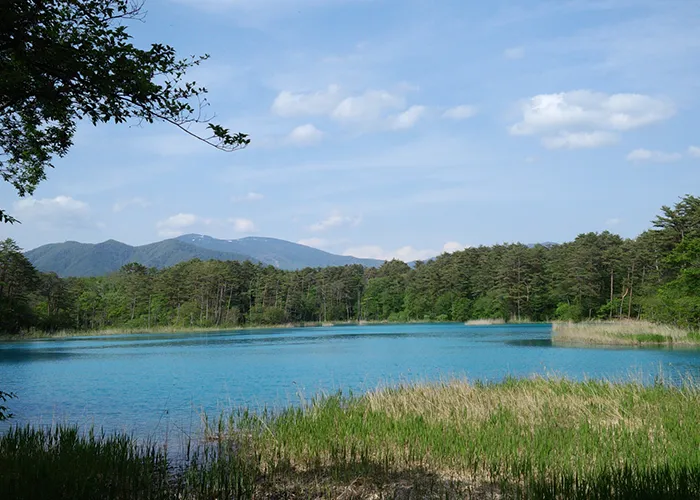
4,410
62,61
596,276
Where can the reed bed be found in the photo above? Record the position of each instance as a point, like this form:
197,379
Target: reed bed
623,332
540,438
485,322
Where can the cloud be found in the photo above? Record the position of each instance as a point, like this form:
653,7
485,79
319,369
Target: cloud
175,225
305,135
323,102
562,118
460,112
367,107
251,196
639,155
694,151
52,213
408,118
374,109
313,242
181,223
336,219
613,222
122,205
406,254
453,246
242,225
580,140
514,53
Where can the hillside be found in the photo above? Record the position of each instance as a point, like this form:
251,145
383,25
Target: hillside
83,259
279,253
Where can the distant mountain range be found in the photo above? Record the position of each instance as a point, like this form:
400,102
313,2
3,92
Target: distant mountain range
84,259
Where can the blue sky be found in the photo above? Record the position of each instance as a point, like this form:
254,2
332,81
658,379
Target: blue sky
398,128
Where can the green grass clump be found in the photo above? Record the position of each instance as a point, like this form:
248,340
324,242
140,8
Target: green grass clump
62,463
539,438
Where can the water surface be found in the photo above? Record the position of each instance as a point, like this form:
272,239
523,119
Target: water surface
158,384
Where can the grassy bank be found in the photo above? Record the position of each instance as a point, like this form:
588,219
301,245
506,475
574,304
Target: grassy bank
538,438
627,332
37,334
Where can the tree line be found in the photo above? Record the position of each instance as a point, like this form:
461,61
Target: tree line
655,276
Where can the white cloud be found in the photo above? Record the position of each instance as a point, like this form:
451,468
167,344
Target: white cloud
579,140
460,112
405,253
408,118
251,196
367,107
514,53
242,225
336,219
305,135
122,205
453,246
613,222
304,104
694,151
182,223
313,242
562,118
53,213
175,225
639,155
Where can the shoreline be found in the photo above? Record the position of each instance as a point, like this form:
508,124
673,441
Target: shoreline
183,330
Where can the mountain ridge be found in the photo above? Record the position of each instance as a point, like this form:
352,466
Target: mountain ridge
75,259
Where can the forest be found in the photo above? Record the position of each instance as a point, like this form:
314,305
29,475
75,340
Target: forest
655,276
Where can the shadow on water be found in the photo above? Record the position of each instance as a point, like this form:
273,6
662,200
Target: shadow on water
29,355
530,342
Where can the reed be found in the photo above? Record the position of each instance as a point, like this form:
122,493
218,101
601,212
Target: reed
485,322
622,332
539,438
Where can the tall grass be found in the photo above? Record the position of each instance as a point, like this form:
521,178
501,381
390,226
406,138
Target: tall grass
485,322
622,332
541,438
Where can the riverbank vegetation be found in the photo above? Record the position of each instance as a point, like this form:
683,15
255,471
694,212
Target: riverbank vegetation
624,332
655,277
544,438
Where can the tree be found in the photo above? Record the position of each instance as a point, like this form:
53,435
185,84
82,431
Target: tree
18,279
62,61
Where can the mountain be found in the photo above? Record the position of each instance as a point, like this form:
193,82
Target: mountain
279,253
84,259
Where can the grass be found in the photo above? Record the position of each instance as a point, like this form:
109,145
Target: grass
624,332
38,334
485,322
541,438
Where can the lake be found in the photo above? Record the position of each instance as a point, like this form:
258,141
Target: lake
156,385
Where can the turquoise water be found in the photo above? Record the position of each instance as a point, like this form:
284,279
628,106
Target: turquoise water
157,385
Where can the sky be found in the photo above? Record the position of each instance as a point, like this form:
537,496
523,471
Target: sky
397,128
